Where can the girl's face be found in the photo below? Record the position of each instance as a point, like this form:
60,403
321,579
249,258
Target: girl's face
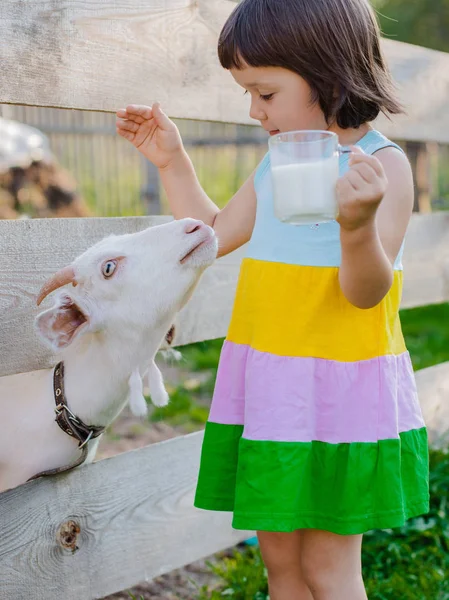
280,99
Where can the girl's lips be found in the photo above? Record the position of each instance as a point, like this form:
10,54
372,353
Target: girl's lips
274,131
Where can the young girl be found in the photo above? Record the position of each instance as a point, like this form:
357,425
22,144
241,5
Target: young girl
315,434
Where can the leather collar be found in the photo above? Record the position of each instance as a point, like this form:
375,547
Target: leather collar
69,423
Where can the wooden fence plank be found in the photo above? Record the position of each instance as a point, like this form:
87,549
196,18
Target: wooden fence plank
136,520
31,250
426,260
102,55
433,391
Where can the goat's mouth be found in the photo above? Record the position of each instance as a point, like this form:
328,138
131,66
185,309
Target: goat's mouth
70,317
208,241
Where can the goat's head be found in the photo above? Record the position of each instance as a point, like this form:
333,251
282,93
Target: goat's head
126,287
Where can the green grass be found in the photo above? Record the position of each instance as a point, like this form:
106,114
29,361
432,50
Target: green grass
182,410
203,355
426,332
189,402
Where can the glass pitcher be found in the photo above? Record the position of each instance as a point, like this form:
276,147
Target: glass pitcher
305,169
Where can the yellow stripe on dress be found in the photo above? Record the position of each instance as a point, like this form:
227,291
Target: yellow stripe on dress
293,310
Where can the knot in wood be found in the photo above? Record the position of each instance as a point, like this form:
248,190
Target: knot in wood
67,536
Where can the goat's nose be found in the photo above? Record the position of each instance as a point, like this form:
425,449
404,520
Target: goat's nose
193,225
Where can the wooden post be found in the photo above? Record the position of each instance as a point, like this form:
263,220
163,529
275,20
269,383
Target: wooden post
417,155
423,179
150,194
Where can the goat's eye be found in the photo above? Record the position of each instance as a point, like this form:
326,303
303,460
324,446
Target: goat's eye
109,268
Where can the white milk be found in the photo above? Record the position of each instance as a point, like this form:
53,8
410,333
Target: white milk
305,192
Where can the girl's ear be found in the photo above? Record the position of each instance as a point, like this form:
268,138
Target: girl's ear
59,325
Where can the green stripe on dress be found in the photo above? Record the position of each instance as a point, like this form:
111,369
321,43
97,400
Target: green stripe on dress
346,488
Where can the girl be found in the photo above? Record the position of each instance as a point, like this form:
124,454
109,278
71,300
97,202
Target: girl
315,434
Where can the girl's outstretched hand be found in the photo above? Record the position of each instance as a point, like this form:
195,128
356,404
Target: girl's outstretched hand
151,132
360,190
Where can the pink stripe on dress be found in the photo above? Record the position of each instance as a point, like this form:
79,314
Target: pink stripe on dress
272,396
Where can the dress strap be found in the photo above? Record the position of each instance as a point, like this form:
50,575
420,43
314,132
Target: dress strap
374,141
263,167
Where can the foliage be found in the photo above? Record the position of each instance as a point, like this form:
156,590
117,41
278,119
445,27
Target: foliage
421,22
244,577
203,355
412,562
426,337
189,402
181,410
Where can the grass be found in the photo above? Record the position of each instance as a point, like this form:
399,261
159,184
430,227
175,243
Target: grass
426,332
190,401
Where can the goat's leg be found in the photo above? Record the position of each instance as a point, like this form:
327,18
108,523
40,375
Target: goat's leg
93,446
158,393
136,399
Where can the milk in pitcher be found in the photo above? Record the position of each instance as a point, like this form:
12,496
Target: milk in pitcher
305,192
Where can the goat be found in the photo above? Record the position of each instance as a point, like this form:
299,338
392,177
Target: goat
106,328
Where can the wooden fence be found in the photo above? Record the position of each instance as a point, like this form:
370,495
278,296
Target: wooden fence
122,520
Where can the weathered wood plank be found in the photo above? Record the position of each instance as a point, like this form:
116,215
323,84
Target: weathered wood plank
422,76
433,391
136,519
426,260
32,250
101,55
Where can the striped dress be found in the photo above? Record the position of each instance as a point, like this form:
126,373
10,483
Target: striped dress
315,420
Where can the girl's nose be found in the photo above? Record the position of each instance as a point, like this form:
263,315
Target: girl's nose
257,112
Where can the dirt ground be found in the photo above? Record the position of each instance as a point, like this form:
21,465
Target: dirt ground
182,584
128,433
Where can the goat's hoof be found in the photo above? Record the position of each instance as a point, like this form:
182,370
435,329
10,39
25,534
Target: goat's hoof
160,400
139,411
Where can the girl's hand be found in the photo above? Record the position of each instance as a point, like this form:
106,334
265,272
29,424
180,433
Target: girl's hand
151,132
360,190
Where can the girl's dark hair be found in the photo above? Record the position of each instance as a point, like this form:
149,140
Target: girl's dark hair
333,44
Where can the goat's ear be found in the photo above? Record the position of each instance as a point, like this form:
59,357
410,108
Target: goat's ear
59,325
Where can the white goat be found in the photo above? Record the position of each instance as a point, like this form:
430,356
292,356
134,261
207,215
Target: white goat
106,329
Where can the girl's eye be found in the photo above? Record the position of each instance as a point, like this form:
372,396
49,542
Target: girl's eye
109,268
266,97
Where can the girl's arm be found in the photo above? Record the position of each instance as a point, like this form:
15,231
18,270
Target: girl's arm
151,131
233,224
375,208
